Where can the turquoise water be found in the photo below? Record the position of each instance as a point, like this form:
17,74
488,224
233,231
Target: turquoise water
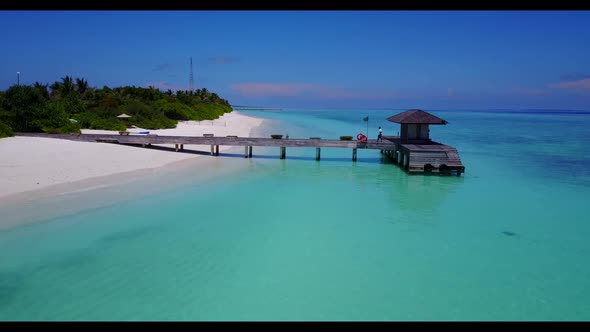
297,239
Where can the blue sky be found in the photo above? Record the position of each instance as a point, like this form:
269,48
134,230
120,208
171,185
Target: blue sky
389,59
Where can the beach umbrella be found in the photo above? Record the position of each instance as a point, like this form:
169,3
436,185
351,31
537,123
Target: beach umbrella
125,118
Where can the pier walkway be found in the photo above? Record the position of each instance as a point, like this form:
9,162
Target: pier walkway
415,158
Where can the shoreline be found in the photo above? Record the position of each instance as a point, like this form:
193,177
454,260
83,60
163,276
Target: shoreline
22,207
59,200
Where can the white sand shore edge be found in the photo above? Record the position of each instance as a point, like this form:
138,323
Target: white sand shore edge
29,164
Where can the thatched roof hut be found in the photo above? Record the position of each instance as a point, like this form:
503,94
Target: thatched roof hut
414,125
416,116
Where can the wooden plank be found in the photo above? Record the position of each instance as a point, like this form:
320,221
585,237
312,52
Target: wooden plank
435,153
233,141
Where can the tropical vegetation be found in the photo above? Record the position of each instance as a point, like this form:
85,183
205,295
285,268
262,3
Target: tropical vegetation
68,105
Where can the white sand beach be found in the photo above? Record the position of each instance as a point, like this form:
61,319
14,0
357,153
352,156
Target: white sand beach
29,163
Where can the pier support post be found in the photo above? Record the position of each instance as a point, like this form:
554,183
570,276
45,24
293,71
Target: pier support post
217,150
181,147
212,150
354,154
246,151
176,147
250,152
317,153
283,153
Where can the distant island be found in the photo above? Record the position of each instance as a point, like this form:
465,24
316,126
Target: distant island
255,108
68,105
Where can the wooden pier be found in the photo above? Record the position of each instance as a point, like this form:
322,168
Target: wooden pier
414,154
390,146
247,142
431,157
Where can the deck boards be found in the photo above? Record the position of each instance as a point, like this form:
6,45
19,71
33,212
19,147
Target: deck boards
208,140
440,157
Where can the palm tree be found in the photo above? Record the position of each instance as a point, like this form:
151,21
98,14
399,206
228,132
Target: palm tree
67,85
42,88
81,85
55,88
64,88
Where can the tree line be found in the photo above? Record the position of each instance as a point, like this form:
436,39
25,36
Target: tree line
68,105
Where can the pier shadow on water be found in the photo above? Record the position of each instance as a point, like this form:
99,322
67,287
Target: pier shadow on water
416,192
406,192
169,149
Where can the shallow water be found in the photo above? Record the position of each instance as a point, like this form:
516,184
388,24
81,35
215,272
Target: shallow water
298,239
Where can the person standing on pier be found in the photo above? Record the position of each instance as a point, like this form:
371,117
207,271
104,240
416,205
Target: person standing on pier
380,136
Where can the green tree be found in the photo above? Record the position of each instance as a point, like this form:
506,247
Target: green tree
81,85
64,88
53,118
42,88
23,104
35,108
5,130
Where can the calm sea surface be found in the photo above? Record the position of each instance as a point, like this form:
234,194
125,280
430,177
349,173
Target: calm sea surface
298,239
